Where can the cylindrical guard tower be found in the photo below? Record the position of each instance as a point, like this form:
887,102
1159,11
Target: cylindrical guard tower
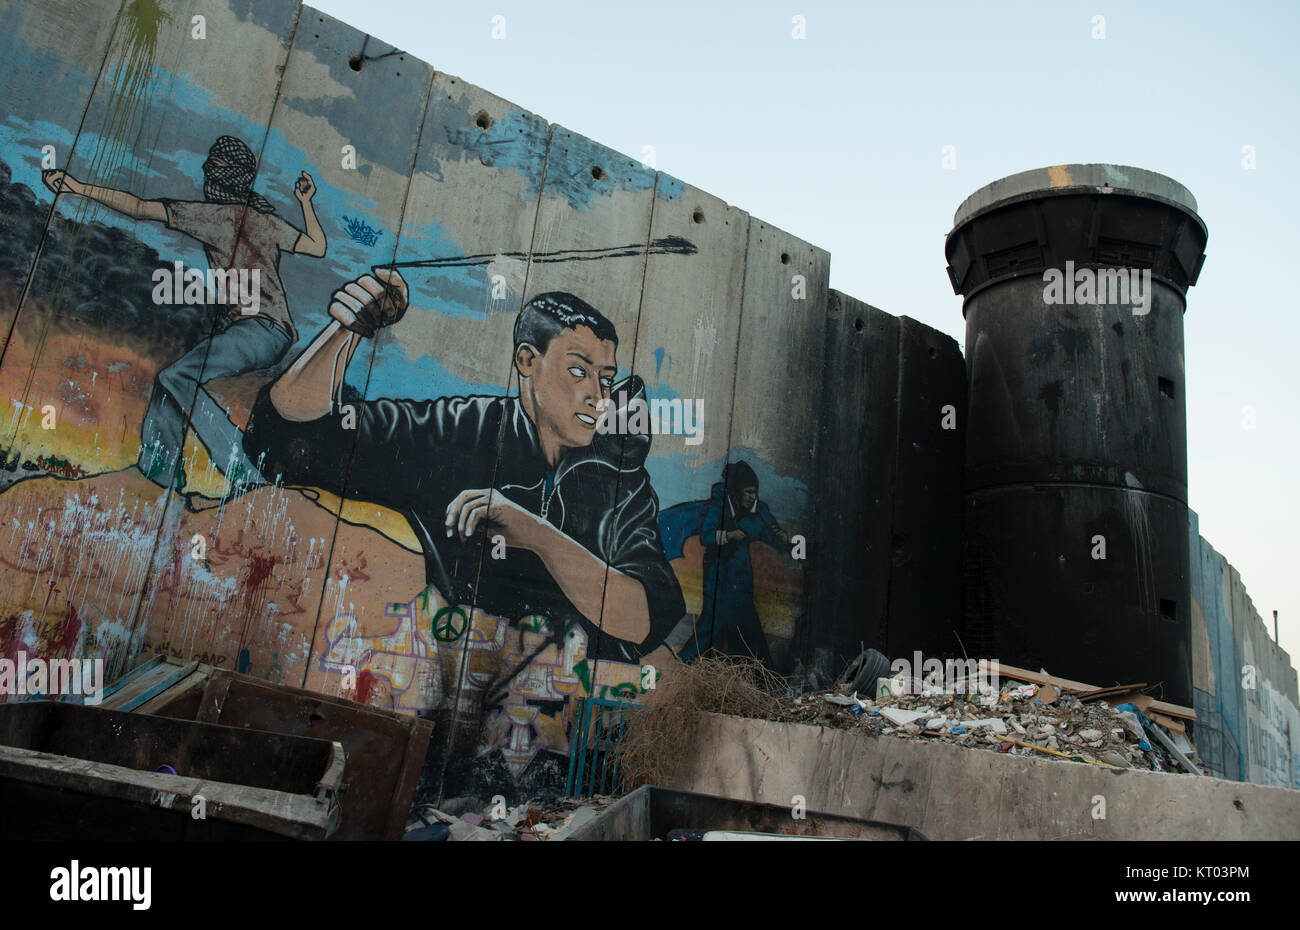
1076,547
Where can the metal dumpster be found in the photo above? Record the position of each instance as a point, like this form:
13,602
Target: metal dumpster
385,750
655,813
76,773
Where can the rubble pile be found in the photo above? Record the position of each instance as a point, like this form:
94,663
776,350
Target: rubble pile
1045,718
1024,719
541,819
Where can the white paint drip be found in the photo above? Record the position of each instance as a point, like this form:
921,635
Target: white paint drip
705,341
1139,524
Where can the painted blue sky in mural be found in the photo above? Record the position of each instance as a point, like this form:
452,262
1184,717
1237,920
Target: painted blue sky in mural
550,159
839,138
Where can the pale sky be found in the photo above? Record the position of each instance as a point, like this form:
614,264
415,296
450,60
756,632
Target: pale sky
838,137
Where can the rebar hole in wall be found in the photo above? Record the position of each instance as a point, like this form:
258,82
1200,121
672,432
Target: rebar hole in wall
597,172
482,120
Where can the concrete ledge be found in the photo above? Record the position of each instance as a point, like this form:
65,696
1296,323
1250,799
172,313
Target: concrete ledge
1058,179
949,792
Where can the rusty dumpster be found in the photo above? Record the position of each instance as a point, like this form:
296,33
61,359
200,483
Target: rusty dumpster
75,772
385,749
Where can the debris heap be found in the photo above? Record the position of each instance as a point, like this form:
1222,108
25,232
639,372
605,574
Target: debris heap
1030,714
540,819
1046,717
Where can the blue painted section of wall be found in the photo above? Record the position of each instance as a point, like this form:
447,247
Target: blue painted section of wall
1242,733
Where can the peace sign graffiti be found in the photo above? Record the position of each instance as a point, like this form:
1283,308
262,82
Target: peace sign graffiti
445,627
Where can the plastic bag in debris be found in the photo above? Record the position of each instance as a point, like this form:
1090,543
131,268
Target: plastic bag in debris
1135,720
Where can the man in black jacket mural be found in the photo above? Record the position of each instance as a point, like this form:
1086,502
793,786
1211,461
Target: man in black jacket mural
568,514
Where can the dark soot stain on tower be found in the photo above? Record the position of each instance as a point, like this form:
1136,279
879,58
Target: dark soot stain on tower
1075,281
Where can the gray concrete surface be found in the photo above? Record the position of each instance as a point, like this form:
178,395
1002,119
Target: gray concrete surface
949,792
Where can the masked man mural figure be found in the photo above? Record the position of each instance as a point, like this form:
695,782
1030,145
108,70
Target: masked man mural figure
573,508
732,519
239,230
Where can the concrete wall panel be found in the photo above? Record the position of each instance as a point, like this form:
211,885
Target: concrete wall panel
589,240
1247,721
92,334
470,221
925,592
851,563
293,560
778,399
53,53
954,793
467,218
686,355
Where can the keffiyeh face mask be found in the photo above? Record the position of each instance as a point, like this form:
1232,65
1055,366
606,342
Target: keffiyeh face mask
232,182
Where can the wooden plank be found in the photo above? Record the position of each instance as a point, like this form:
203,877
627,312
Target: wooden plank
1174,751
1108,692
147,667
1169,723
196,680
1042,678
1042,749
149,684
1144,703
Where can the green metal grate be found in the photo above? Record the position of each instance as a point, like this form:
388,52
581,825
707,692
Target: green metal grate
593,756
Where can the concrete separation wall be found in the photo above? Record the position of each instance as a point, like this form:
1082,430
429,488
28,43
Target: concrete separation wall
149,511
891,438
151,505
1248,721
952,793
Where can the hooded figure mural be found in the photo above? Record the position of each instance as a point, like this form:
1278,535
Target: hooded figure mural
727,524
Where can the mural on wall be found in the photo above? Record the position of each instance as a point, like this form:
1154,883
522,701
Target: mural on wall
243,239
532,472
727,524
474,471
1245,690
